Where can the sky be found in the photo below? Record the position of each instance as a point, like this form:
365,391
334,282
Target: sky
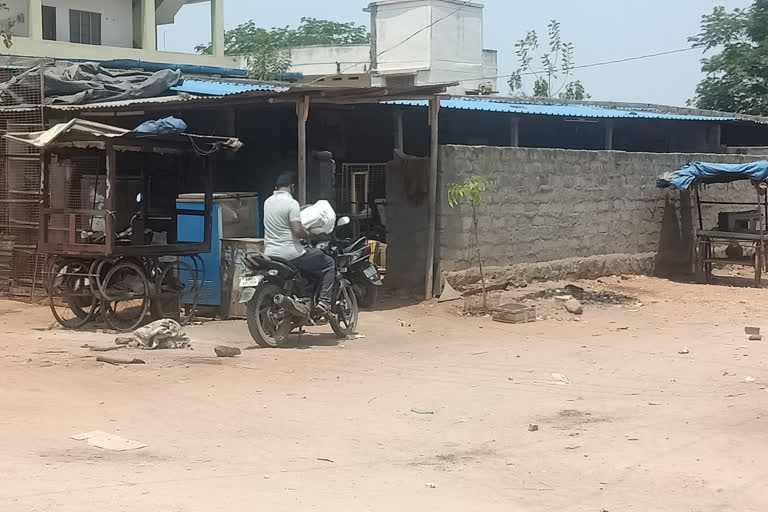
601,30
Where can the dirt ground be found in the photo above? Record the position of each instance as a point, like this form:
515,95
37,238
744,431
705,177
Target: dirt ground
430,411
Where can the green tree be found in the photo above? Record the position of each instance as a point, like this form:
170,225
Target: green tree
265,49
472,192
575,91
557,64
485,88
736,78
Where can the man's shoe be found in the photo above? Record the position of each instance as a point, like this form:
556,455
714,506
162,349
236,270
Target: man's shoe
321,310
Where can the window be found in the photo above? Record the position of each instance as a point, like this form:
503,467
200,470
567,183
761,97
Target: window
49,23
84,27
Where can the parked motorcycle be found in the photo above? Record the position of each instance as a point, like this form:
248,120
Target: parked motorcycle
281,299
363,274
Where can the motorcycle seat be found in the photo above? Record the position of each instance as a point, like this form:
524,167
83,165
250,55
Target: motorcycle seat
287,263
258,260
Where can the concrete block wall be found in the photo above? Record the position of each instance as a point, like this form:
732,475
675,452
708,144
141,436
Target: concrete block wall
548,204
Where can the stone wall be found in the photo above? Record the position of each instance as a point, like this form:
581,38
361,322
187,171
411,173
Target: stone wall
546,205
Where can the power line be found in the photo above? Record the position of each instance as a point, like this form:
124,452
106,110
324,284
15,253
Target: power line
398,45
585,66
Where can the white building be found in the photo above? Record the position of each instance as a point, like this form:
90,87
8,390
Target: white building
414,42
104,30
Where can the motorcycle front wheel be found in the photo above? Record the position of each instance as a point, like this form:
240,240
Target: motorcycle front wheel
266,321
344,323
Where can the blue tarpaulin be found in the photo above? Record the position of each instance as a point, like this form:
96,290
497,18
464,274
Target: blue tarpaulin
165,126
705,173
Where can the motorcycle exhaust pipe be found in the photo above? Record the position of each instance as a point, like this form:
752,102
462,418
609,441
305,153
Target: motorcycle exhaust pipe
291,306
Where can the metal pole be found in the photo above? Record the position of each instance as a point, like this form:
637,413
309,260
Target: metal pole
302,112
698,252
434,110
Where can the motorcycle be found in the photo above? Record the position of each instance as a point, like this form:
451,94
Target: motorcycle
363,274
280,299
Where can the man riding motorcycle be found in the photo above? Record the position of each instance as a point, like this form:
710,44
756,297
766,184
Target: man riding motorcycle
283,232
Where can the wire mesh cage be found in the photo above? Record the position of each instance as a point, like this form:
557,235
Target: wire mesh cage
21,110
361,186
77,183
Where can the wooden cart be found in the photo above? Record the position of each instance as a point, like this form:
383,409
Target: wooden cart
108,220
749,231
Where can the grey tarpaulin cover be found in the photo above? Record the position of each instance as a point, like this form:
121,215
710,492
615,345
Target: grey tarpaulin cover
88,82
707,173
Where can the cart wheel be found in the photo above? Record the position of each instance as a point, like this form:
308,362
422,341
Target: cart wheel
69,294
126,296
47,269
176,280
99,269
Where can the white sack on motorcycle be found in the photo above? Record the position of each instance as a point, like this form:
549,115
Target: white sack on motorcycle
319,218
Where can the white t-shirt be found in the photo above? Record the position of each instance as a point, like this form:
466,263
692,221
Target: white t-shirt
279,211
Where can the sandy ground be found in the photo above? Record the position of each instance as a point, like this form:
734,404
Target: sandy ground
633,426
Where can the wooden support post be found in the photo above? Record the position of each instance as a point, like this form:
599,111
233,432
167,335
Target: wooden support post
699,252
399,140
608,134
434,111
514,131
302,112
140,224
110,203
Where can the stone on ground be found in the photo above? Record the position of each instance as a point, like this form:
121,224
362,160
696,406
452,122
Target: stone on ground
574,307
222,351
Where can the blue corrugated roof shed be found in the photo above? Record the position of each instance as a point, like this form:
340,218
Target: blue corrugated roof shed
220,87
560,109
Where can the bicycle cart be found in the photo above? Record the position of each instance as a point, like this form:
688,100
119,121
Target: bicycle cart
741,231
109,216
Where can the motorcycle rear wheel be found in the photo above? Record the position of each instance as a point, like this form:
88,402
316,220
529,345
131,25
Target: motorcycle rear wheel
344,322
265,318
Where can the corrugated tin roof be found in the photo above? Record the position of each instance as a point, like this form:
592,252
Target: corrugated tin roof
108,105
221,87
276,94
560,110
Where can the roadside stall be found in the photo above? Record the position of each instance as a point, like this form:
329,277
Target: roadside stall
109,220
741,225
